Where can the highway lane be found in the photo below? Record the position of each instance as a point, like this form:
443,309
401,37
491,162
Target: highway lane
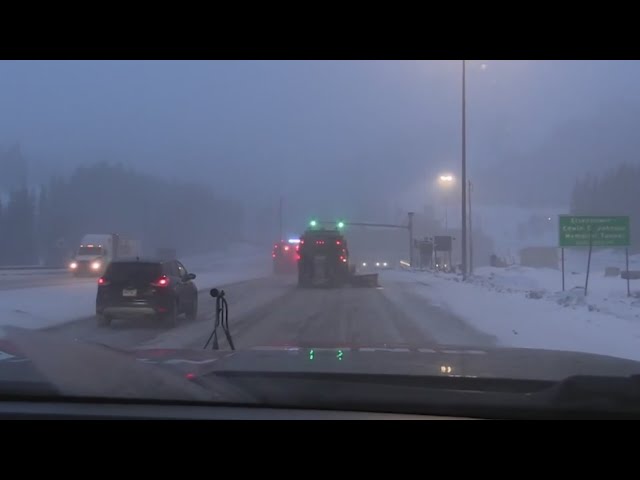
274,311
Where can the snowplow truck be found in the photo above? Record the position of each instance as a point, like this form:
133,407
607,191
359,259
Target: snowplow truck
324,261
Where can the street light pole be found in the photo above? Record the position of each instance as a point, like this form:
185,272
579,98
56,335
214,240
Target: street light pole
281,237
410,227
464,174
446,213
470,231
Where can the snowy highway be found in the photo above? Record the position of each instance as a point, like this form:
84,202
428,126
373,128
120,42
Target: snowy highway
273,311
495,307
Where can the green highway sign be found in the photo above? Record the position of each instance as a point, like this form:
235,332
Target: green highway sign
599,231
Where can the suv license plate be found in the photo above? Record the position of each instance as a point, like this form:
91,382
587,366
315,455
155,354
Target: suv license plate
129,293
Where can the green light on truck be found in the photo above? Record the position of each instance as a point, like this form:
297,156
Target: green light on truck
340,224
339,355
313,223
310,354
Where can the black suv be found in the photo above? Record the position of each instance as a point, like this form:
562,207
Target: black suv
159,288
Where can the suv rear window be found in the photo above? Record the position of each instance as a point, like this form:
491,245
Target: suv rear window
122,271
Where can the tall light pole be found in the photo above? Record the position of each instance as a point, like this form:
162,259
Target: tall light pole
464,173
410,227
281,237
470,231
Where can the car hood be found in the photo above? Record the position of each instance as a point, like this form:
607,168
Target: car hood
77,368
508,363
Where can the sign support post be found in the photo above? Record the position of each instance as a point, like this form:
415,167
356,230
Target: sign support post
586,282
562,254
627,262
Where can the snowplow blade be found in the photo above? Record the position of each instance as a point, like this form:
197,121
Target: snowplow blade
370,280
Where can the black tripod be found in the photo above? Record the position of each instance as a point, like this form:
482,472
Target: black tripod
222,318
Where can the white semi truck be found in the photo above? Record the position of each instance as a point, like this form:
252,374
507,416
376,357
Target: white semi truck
96,250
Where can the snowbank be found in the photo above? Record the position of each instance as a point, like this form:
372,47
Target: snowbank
525,307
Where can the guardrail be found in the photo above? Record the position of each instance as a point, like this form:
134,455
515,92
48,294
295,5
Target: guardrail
32,267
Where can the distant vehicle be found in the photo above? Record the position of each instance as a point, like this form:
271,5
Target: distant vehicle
324,258
285,256
162,289
378,264
96,250
443,266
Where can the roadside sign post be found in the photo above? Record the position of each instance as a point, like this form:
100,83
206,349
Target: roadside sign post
586,281
562,254
593,231
627,262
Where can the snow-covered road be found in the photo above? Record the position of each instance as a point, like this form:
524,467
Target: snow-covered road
515,307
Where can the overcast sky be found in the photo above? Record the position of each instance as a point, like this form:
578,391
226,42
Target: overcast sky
361,133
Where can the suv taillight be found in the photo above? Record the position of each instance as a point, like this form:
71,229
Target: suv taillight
163,281
103,282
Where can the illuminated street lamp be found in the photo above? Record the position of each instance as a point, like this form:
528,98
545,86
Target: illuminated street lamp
446,179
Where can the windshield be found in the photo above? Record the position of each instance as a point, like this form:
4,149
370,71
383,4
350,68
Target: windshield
90,251
358,211
134,271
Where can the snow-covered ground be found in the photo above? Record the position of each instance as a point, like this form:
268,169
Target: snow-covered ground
48,306
525,307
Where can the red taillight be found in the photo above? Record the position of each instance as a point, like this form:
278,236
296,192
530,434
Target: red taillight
163,281
286,248
102,281
337,242
273,255
190,376
297,257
